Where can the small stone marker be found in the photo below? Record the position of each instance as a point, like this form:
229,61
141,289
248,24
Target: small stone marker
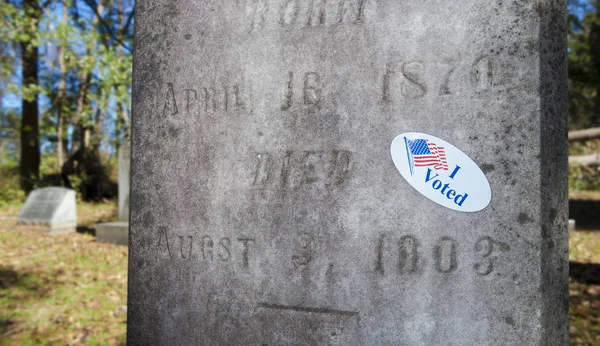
113,232
52,207
124,177
266,208
118,232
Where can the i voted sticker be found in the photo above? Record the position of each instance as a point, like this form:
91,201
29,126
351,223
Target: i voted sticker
441,172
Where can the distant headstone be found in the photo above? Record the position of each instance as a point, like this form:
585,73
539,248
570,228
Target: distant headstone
113,232
267,209
118,232
52,207
124,177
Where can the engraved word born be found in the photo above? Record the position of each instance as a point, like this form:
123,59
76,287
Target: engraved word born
302,13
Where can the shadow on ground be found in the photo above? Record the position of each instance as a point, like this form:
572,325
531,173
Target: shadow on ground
28,282
86,230
32,287
585,273
585,212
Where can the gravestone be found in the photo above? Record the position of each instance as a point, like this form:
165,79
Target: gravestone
124,177
52,207
571,225
117,232
266,208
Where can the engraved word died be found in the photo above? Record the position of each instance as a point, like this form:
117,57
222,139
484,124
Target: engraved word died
441,172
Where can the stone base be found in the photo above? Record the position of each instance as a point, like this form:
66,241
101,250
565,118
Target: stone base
113,232
50,229
59,230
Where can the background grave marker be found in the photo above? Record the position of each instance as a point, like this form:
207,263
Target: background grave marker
50,206
117,232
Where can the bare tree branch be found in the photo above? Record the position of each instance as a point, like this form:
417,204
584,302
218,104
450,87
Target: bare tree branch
94,7
585,160
582,135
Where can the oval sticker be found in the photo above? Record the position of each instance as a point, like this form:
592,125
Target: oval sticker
441,172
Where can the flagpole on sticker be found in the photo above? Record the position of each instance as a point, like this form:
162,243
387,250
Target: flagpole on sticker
408,156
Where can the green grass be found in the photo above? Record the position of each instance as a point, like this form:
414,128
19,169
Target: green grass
62,289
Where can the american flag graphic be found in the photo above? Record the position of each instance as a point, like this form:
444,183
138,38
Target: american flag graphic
423,153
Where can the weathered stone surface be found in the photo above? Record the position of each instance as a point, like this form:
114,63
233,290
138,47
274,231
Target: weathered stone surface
265,205
113,232
53,207
124,177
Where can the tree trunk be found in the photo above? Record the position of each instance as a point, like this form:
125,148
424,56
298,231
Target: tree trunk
85,159
30,137
77,139
59,141
594,41
121,113
61,96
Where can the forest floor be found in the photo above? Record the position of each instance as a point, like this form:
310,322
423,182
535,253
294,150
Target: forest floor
62,289
67,289
584,287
